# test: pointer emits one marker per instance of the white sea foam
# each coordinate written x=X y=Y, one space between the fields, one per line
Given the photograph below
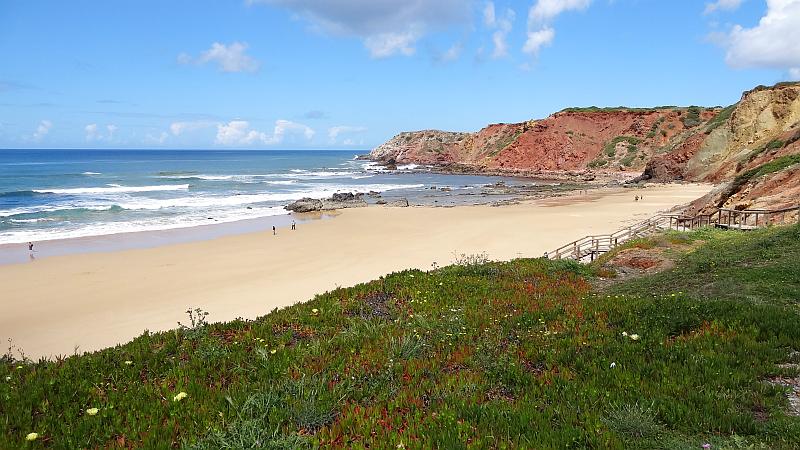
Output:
x=136 y=203
x=184 y=211
x=107 y=228
x=114 y=189
x=42 y=219
x=53 y=208
x=91 y=173
x=295 y=174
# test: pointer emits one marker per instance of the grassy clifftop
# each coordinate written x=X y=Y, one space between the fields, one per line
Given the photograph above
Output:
x=483 y=355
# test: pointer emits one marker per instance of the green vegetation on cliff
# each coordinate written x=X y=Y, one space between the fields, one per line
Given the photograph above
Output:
x=479 y=354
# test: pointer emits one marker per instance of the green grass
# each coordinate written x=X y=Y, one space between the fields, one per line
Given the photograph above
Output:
x=692 y=117
x=772 y=145
x=721 y=118
x=610 y=149
x=597 y=163
x=776 y=165
x=478 y=354
x=507 y=140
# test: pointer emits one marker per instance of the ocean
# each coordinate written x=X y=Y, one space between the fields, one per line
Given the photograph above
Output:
x=59 y=194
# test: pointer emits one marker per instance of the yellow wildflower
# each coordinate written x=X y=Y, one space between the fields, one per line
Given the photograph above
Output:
x=92 y=411
x=128 y=363
x=181 y=395
x=273 y=351
x=32 y=436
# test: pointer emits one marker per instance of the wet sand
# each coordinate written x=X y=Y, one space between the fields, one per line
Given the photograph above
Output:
x=52 y=305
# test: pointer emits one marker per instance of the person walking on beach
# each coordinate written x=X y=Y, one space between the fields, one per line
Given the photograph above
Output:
x=30 y=247
x=273 y=230
x=293 y=226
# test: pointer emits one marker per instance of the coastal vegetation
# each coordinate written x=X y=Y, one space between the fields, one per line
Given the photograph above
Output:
x=776 y=165
x=519 y=354
x=721 y=118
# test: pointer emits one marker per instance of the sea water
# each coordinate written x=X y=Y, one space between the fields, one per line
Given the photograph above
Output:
x=59 y=194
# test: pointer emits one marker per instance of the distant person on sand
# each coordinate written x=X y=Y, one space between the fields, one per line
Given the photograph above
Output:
x=273 y=230
x=637 y=198
x=293 y=226
x=30 y=247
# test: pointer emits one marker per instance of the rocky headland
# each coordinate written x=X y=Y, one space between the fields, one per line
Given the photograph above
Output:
x=750 y=148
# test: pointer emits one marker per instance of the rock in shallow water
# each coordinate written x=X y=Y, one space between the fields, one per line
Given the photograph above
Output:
x=305 y=205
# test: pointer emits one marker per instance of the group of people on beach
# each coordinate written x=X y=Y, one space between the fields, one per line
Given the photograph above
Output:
x=275 y=230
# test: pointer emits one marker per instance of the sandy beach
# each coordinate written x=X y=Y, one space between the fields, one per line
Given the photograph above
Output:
x=52 y=305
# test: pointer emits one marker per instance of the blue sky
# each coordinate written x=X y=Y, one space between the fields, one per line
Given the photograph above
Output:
x=352 y=73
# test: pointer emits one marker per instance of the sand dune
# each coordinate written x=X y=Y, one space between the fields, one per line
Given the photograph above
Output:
x=92 y=301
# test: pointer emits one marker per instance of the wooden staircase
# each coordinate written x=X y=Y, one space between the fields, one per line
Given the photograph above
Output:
x=590 y=247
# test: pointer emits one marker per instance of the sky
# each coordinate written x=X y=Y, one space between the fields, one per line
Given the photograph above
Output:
x=350 y=74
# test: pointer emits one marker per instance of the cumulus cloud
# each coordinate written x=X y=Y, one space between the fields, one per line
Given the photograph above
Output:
x=540 y=16
x=387 y=27
x=239 y=132
x=538 y=39
x=95 y=133
x=335 y=132
x=773 y=43
x=42 y=130
x=228 y=58
x=728 y=5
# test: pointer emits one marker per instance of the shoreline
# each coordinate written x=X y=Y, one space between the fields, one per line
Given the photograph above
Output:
x=97 y=300
x=508 y=191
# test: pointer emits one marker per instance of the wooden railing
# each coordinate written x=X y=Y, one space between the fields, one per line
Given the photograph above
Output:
x=589 y=247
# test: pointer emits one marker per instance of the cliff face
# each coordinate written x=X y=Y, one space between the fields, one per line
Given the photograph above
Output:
x=615 y=139
x=668 y=143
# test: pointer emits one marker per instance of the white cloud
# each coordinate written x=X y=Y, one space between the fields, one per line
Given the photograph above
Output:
x=335 y=132
x=91 y=132
x=538 y=39
x=728 y=5
x=546 y=10
x=42 y=130
x=286 y=127
x=238 y=132
x=773 y=43
x=387 y=27
x=229 y=58
x=503 y=24
x=178 y=128
x=541 y=15
x=388 y=44
x=94 y=133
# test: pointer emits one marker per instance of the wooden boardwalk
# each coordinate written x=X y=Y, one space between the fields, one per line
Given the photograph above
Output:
x=590 y=247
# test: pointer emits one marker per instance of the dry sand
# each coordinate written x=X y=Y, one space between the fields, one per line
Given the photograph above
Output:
x=92 y=301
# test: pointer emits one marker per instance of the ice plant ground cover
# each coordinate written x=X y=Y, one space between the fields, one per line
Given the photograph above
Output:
x=522 y=354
